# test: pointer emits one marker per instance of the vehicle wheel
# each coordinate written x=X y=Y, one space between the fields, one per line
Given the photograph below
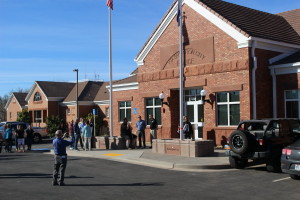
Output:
x=37 y=138
x=295 y=177
x=238 y=163
x=273 y=166
x=239 y=142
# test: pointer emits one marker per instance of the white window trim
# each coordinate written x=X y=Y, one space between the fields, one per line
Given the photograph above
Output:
x=35 y=119
x=285 y=100
x=228 y=103
x=153 y=108
x=124 y=108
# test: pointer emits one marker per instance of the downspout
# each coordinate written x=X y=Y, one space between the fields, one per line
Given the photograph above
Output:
x=273 y=74
x=254 y=79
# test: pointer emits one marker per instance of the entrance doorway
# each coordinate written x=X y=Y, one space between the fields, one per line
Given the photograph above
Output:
x=195 y=111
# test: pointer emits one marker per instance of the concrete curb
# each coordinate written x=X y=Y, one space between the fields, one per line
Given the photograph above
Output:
x=138 y=160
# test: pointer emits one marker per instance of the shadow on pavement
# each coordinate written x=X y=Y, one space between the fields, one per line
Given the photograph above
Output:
x=33 y=175
x=118 y=184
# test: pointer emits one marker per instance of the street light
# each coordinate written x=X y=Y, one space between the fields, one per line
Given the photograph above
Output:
x=203 y=95
x=77 y=110
x=162 y=96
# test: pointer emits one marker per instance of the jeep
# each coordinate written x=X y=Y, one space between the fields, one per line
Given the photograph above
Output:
x=261 y=140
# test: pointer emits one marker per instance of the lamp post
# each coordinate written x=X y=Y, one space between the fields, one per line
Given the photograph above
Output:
x=161 y=97
x=203 y=94
x=77 y=110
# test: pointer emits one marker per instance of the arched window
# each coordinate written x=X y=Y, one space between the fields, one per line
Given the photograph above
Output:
x=37 y=97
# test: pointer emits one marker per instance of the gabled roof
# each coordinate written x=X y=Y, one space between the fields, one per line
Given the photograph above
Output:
x=103 y=93
x=239 y=22
x=255 y=23
x=55 y=89
x=294 y=58
x=20 y=97
x=87 y=91
x=293 y=17
x=52 y=90
x=130 y=79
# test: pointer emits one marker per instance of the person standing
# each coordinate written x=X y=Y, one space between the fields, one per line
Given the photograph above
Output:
x=60 y=158
x=76 y=133
x=81 y=124
x=8 y=138
x=20 y=134
x=141 y=126
x=29 y=135
x=153 y=129
x=87 y=132
x=187 y=128
x=126 y=133
x=71 y=133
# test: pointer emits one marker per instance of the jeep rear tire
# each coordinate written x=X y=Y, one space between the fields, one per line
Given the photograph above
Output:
x=238 y=142
x=237 y=163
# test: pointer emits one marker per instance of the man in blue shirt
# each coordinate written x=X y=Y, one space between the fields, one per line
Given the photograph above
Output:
x=141 y=126
x=60 y=157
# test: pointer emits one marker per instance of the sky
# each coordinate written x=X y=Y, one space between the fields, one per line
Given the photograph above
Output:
x=44 y=40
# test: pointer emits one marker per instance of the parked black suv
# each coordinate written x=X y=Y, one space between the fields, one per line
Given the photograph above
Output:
x=261 y=140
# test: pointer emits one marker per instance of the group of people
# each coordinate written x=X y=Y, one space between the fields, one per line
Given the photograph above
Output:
x=79 y=131
x=84 y=129
x=22 y=137
x=126 y=132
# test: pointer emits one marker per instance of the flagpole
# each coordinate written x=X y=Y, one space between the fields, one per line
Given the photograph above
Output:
x=110 y=74
x=180 y=70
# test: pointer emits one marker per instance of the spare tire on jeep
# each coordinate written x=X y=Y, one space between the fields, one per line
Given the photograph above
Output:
x=240 y=142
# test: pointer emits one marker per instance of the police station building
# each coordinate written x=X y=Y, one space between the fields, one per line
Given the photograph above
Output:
x=246 y=60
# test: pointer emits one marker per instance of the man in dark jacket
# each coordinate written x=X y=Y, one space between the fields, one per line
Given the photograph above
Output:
x=153 y=129
x=76 y=134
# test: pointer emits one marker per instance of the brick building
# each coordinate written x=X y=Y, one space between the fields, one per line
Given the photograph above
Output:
x=245 y=59
x=15 y=104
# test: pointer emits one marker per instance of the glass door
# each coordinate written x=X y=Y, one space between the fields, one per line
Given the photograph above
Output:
x=195 y=113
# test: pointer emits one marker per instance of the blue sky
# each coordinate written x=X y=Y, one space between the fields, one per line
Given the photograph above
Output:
x=46 y=39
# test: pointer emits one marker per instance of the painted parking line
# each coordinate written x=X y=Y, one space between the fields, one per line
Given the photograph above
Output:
x=113 y=154
x=282 y=179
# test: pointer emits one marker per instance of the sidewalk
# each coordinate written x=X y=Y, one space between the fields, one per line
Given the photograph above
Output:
x=218 y=161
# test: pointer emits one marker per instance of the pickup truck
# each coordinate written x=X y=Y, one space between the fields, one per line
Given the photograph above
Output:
x=261 y=140
x=39 y=132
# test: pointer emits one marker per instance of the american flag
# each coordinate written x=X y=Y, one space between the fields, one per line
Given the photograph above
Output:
x=110 y=4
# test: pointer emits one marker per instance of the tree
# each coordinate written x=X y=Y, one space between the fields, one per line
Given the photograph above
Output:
x=98 y=120
x=3 y=101
x=52 y=123
x=24 y=116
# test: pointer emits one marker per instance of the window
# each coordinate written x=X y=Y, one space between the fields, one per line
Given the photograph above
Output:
x=228 y=108
x=37 y=97
x=68 y=111
x=153 y=107
x=192 y=95
x=37 y=116
x=125 y=110
x=107 y=111
x=292 y=104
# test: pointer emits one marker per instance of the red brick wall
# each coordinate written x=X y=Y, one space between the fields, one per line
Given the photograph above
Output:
x=264 y=100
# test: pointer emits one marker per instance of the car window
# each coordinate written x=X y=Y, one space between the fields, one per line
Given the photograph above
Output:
x=2 y=124
x=256 y=126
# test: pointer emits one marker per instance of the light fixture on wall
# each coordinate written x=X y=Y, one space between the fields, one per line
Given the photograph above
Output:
x=203 y=95
x=162 y=96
